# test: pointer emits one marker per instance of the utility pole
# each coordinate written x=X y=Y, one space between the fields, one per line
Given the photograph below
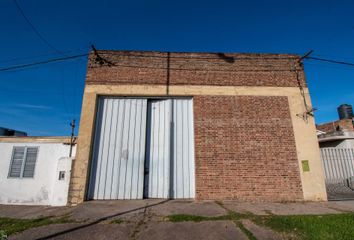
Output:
x=72 y=125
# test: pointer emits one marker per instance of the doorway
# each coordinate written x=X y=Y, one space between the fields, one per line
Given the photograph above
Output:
x=143 y=147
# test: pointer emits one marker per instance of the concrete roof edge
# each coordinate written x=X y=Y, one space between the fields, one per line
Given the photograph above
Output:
x=294 y=55
x=35 y=139
x=334 y=138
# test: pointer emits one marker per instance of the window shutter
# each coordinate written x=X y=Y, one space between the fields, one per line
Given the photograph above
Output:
x=16 y=163
x=30 y=162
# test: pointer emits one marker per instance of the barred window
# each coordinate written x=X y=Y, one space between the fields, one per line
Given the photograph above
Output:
x=23 y=162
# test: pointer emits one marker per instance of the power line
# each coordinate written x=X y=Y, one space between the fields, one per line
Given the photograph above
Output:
x=34 y=29
x=111 y=63
x=331 y=61
x=219 y=58
x=30 y=91
x=334 y=56
x=38 y=57
x=42 y=62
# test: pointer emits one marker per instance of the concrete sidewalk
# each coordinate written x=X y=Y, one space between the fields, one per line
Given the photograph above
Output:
x=146 y=219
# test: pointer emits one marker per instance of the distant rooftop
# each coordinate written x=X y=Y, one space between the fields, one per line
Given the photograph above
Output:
x=11 y=132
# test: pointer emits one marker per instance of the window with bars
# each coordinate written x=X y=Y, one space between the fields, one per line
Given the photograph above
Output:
x=23 y=162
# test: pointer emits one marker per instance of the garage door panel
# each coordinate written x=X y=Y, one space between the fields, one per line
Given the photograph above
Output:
x=184 y=179
x=117 y=149
x=139 y=143
x=186 y=149
x=101 y=149
x=178 y=149
x=112 y=137
x=191 y=154
x=158 y=155
x=171 y=156
x=95 y=153
x=128 y=152
x=120 y=123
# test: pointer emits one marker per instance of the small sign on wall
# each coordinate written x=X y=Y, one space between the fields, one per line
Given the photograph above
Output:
x=305 y=165
x=61 y=175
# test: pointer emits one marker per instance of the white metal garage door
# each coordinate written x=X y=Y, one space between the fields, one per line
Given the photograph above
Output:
x=120 y=151
x=169 y=165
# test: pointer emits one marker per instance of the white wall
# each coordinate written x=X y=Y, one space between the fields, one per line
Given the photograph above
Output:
x=39 y=189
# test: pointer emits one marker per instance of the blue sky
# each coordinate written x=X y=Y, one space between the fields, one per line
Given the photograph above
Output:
x=42 y=100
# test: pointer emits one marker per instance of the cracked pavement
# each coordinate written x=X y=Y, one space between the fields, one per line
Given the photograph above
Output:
x=146 y=219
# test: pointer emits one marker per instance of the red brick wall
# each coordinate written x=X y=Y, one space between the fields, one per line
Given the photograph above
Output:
x=133 y=67
x=245 y=149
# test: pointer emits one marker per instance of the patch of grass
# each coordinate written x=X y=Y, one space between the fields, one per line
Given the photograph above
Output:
x=194 y=218
x=232 y=216
x=245 y=231
x=235 y=215
x=12 y=225
x=117 y=221
x=306 y=227
x=314 y=227
x=3 y=235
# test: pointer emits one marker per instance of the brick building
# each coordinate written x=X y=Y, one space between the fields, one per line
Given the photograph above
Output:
x=338 y=134
x=196 y=125
x=342 y=124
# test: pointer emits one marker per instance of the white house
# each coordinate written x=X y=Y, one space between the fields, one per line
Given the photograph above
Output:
x=35 y=170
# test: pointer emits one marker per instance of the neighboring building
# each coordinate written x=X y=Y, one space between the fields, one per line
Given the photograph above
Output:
x=336 y=141
x=35 y=170
x=339 y=137
x=196 y=125
x=340 y=133
x=10 y=132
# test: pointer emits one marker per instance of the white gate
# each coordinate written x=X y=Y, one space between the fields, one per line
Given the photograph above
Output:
x=169 y=165
x=183 y=179
x=120 y=151
x=157 y=163
x=338 y=166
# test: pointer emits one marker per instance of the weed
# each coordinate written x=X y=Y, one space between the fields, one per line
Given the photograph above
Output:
x=117 y=221
x=11 y=225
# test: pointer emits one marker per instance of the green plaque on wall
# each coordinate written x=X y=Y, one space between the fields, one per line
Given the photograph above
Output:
x=305 y=165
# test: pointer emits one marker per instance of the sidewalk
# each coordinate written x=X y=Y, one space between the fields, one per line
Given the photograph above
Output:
x=148 y=219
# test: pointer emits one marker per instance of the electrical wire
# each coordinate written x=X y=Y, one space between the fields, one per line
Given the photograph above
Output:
x=308 y=111
x=331 y=56
x=30 y=92
x=35 y=30
x=329 y=66
x=46 y=42
x=219 y=58
x=17 y=67
x=20 y=60
x=330 y=61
